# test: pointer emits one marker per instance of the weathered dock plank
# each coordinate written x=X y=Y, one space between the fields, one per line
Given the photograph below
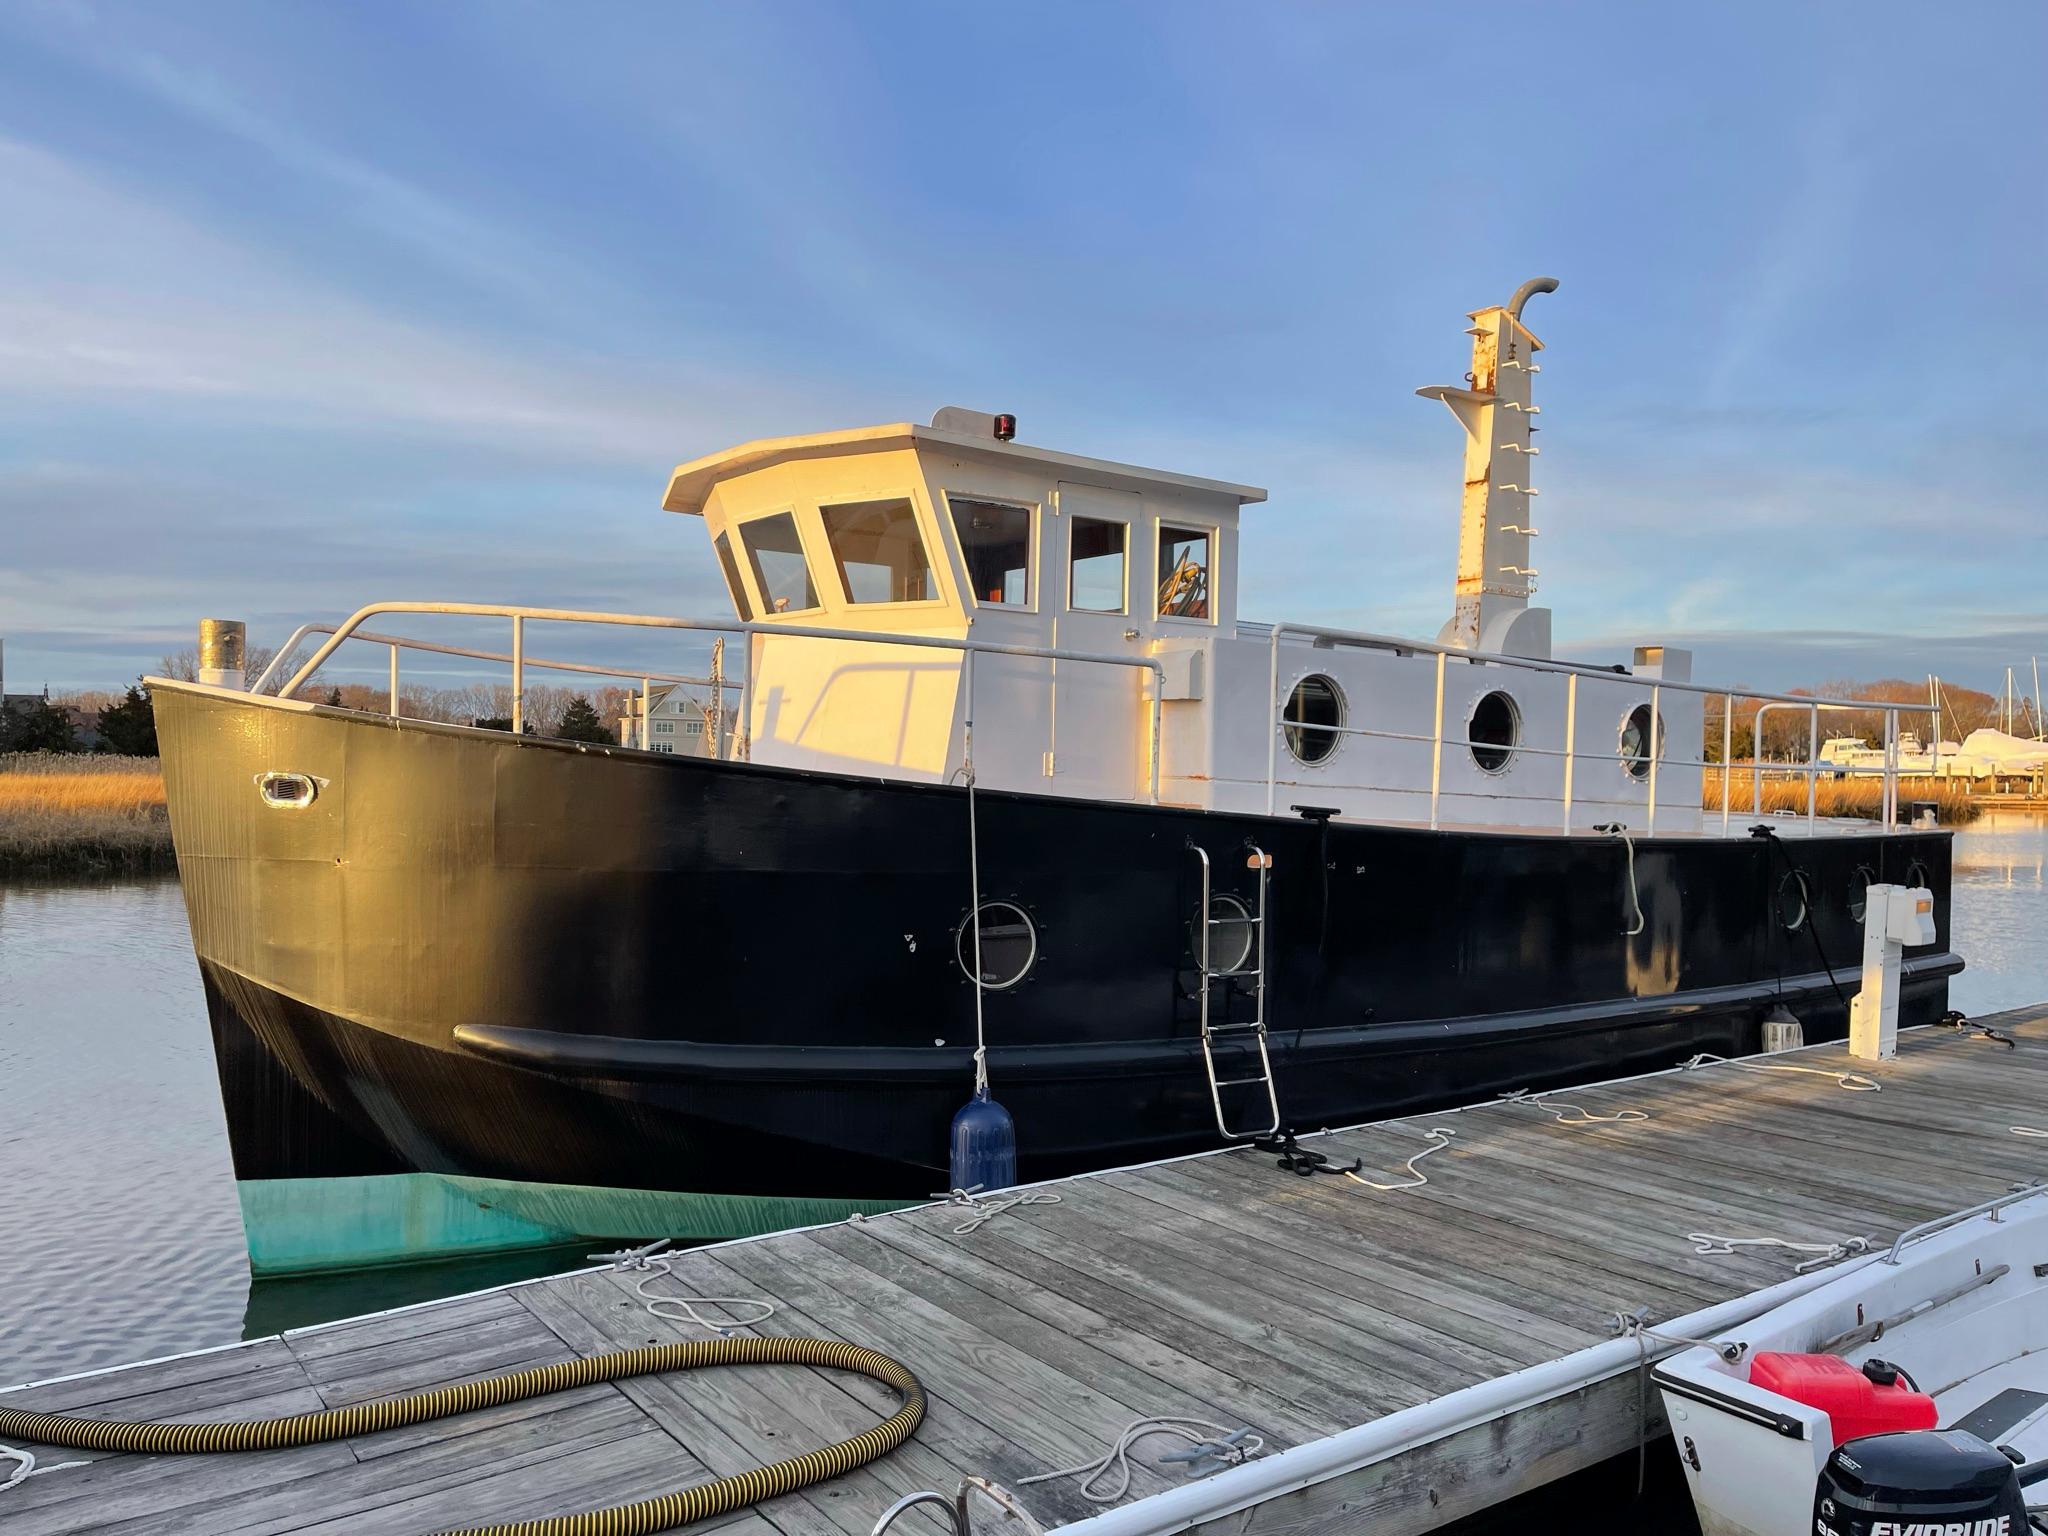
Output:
x=1218 y=1287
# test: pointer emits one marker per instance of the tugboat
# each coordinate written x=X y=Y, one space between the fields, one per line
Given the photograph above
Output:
x=1015 y=798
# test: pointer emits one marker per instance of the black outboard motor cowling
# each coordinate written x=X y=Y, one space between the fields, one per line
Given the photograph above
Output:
x=1920 y=1482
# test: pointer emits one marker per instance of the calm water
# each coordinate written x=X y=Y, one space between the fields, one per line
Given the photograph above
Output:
x=122 y=1237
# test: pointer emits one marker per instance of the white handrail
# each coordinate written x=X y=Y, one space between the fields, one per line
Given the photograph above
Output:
x=1573 y=671
x=519 y=614
x=369 y=637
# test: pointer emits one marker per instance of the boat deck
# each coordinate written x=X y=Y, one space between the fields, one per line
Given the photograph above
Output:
x=1216 y=1286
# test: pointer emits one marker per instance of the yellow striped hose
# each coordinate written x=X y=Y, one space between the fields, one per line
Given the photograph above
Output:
x=656 y=1514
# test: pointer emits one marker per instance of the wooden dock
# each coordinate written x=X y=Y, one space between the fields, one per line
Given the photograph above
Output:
x=1217 y=1287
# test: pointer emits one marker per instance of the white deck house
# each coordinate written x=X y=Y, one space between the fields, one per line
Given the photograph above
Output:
x=954 y=531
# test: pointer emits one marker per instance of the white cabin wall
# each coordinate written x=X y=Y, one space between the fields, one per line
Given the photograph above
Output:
x=840 y=705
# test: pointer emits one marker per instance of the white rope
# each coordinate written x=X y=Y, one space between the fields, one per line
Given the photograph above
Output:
x=1228 y=1446
x=974 y=879
x=1569 y=1113
x=987 y=1208
x=1854 y=1082
x=683 y=1309
x=1635 y=1325
x=1634 y=900
x=1439 y=1138
x=27 y=1467
x=1711 y=1245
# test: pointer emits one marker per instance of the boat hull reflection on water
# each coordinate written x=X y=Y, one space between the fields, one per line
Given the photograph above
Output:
x=482 y=990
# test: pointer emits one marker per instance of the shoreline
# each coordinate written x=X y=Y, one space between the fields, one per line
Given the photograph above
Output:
x=83 y=815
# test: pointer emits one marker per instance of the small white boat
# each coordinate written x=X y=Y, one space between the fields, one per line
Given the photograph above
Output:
x=1934 y=1348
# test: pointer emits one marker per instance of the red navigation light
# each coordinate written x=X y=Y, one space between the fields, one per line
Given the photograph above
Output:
x=1006 y=428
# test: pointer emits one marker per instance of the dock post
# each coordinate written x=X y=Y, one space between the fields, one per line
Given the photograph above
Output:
x=223 y=644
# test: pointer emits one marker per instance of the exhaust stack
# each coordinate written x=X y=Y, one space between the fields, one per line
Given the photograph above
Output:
x=1495 y=575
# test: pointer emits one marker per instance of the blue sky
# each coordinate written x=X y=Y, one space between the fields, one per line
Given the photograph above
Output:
x=303 y=305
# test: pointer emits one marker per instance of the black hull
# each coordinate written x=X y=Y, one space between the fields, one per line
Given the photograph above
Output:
x=528 y=961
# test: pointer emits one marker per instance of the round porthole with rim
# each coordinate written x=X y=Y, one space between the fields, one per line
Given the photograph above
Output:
x=1231 y=932
x=1861 y=879
x=1494 y=731
x=1793 y=894
x=1916 y=874
x=1313 y=719
x=1639 y=742
x=1009 y=944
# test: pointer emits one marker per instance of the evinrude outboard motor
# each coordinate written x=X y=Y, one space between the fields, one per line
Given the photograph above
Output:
x=1920 y=1482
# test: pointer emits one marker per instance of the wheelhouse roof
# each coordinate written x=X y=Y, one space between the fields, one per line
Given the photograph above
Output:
x=692 y=483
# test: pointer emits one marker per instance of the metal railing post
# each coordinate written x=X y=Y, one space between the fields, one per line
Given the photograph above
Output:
x=1727 y=753
x=1571 y=727
x=1812 y=764
x=1436 y=760
x=646 y=713
x=518 y=674
x=1274 y=726
x=1656 y=751
x=394 y=681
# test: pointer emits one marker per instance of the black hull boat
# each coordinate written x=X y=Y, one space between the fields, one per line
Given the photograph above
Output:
x=603 y=993
x=472 y=989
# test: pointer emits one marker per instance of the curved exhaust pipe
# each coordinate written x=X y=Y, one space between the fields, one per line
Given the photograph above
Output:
x=1523 y=294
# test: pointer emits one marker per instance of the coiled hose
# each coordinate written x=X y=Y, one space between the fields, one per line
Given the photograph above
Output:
x=657 y=1514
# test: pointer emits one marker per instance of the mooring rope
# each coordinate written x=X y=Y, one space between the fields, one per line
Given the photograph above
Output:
x=26 y=1467
x=1854 y=1082
x=987 y=1208
x=1568 y=1112
x=683 y=1309
x=1220 y=1447
x=1711 y=1245
x=661 y=1513
x=1439 y=1138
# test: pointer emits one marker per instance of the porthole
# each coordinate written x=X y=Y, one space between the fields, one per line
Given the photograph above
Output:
x=1861 y=879
x=1916 y=875
x=1637 y=750
x=1314 y=718
x=1009 y=945
x=1231 y=933
x=287 y=791
x=1494 y=731
x=1793 y=894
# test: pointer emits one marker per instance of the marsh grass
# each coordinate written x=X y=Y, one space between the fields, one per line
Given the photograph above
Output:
x=1861 y=796
x=69 y=813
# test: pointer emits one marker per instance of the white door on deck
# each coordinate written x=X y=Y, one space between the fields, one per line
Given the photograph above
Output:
x=1095 y=568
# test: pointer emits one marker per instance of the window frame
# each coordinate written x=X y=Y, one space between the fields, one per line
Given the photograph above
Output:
x=1034 y=574
x=769 y=612
x=1123 y=611
x=1214 y=531
x=735 y=580
x=925 y=530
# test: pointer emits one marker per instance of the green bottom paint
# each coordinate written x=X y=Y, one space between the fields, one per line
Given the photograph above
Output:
x=299 y=1225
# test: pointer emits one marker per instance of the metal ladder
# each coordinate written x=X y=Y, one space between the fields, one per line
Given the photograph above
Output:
x=1252 y=1030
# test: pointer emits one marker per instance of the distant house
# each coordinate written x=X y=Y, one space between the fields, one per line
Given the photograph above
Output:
x=85 y=726
x=677 y=721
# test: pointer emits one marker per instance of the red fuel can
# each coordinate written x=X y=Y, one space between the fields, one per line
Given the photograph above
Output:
x=1871 y=1400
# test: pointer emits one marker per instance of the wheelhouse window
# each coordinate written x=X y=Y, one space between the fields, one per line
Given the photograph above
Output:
x=1095 y=565
x=879 y=552
x=726 y=563
x=1183 y=572
x=777 y=556
x=995 y=541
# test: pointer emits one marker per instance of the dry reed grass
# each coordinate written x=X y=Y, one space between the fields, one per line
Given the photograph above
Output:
x=66 y=813
x=1861 y=796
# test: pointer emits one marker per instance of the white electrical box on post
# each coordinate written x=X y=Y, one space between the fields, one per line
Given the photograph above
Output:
x=1894 y=916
